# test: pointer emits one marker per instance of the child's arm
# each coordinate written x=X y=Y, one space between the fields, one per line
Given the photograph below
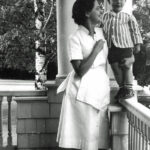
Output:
x=135 y=33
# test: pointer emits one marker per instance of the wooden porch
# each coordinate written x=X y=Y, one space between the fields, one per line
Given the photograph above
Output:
x=38 y=115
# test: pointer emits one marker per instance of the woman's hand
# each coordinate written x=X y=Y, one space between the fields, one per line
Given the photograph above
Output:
x=82 y=66
x=127 y=62
x=99 y=46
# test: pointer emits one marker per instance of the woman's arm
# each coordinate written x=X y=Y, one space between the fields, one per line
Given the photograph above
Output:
x=82 y=66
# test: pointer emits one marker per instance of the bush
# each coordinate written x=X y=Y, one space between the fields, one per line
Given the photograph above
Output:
x=141 y=69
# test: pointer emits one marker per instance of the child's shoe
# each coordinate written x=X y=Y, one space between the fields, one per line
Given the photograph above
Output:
x=126 y=93
x=120 y=92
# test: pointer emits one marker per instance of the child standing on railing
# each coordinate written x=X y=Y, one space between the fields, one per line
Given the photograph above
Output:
x=123 y=38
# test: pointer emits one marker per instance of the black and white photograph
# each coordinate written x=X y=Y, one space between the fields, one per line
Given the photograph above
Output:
x=74 y=74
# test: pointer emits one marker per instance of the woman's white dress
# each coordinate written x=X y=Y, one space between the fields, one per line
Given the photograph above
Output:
x=84 y=120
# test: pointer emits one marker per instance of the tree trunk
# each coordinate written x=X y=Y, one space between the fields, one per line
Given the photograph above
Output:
x=40 y=45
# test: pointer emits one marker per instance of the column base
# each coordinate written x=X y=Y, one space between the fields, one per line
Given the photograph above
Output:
x=60 y=78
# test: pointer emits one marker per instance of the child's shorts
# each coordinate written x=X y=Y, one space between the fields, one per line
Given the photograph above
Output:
x=117 y=54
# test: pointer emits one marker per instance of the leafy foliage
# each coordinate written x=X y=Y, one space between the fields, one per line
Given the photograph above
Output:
x=141 y=68
x=18 y=34
x=142 y=14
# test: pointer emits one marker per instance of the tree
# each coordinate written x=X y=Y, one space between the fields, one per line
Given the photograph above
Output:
x=18 y=34
x=40 y=44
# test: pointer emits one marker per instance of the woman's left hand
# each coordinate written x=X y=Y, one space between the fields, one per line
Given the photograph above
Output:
x=127 y=62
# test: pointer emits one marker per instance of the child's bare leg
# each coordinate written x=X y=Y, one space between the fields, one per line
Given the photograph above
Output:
x=117 y=73
x=127 y=76
x=126 y=67
x=128 y=81
x=119 y=78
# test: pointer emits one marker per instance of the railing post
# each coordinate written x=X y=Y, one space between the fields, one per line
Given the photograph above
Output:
x=1 y=137
x=148 y=138
x=119 y=128
x=9 y=139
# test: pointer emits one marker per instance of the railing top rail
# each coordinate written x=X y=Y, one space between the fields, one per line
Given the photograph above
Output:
x=23 y=93
x=32 y=99
x=136 y=108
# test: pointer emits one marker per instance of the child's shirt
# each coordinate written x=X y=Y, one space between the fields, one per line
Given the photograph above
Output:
x=121 y=29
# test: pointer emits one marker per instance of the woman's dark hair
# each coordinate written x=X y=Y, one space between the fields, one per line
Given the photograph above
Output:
x=80 y=8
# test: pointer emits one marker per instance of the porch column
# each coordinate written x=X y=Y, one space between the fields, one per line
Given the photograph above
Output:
x=65 y=26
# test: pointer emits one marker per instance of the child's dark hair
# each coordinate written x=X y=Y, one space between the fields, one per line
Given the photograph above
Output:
x=108 y=1
x=80 y=8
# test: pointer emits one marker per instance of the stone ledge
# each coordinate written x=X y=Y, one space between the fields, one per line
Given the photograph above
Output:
x=112 y=108
x=9 y=148
x=53 y=97
x=50 y=84
x=42 y=148
x=23 y=93
x=30 y=99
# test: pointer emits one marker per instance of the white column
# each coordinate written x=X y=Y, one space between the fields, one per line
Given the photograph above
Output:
x=65 y=26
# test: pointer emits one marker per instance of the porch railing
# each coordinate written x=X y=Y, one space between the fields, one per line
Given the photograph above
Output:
x=138 y=118
x=139 y=124
x=8 y=96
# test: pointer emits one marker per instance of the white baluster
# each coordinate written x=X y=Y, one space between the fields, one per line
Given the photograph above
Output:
x=9 y=99
x=142 y=127
x=132 y=132
x=146 y=135
x=1 y=137
x=140 y=136
x=136 y=132
x=129 y=135
x=148 y=138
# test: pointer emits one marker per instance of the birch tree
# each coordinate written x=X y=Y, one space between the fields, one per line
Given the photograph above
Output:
x=41 y=23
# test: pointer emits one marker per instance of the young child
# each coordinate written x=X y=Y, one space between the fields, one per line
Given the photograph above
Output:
x=124 y=39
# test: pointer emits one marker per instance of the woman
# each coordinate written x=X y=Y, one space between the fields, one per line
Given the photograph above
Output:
x=83 y=121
